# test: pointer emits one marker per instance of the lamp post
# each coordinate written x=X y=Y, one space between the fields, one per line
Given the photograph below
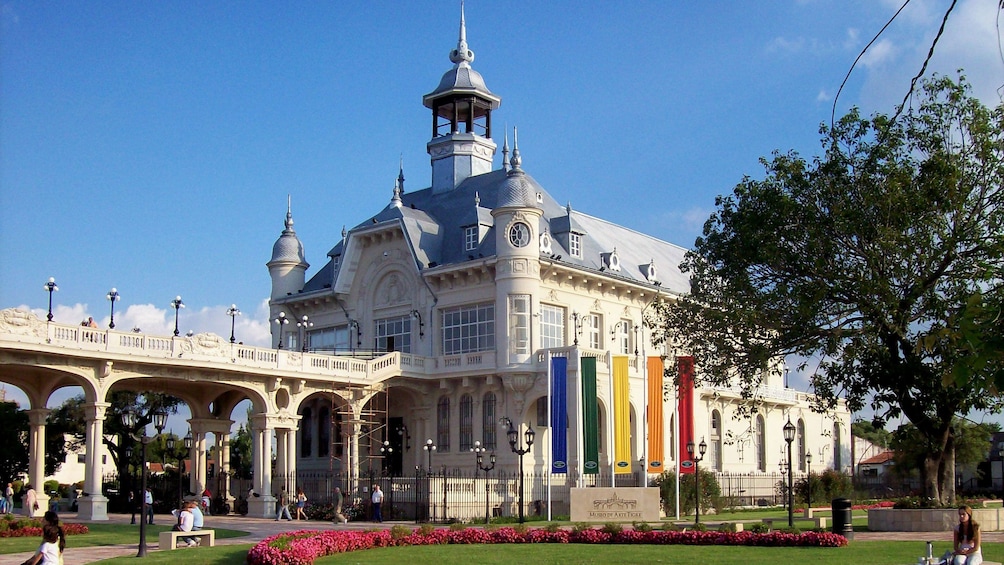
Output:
x=385 y=452
x=789 y=436
x=429 y=448
x=281 y=321
x=303 y=324
x=402 y=432
x=514 y=440
x=233 y=312
x=697 y=458
x=113 y=297
x=132 y=483
x=178 y=305
x=577 y=320
x=421 y=325
x=51 y=287
x=129 y=421
x=808 y=479
x=479 y=459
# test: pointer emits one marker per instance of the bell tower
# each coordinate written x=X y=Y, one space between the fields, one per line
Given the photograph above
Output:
x=462 y=106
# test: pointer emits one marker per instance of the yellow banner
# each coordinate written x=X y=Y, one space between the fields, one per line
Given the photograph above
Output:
x=622 y=417
x=655 y=423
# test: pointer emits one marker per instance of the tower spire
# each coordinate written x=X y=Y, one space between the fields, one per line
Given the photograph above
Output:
x=289 y=214
x=505 y=151
x=400 y=174
x=462 y=54
x=516 y=160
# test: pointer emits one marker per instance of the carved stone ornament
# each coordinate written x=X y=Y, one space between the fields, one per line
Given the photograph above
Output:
x=21 y=322
x=206 y=344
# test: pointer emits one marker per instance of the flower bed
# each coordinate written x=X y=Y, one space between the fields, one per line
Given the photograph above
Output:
x=304 y=546
x=26 y=528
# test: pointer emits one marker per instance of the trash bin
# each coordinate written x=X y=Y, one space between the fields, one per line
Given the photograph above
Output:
x=842 y=525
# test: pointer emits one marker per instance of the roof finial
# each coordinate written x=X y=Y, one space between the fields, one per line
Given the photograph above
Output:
x=396 y=199
x=568 y=207
x=289 y=213
x=344 y=232
x=516 y=160
x=462 y=55
x=477 y=198
x=505 y=151
x=400 y=174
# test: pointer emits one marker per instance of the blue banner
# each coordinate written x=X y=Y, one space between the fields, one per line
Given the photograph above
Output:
x=559 y=415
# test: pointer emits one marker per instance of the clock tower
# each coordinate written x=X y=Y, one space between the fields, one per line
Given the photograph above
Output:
x=517 y=269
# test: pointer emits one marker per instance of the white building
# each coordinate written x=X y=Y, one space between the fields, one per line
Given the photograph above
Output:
x=481 y=276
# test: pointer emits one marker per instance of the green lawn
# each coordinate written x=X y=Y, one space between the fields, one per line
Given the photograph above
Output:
x=103 y=534
x=219 y=555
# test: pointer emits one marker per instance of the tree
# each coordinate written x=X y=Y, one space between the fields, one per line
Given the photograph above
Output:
x=13 y=446
x=869 y=260
x=971 y=442
x=240 y=452
x=877 y=435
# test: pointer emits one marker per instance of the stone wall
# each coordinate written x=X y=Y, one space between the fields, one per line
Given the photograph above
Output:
x=930 y=520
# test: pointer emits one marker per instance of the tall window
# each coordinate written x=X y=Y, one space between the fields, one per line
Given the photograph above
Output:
x=622 y=332
x=393 y=334
x=470 y=238
x=836 y=446
x=466 y=422
x=800 y=436
x=575 y=245
x=552 y=326
x=519 y=324
x=542 y=421
x=760 y=441
x=488 y=424
x=323 y=432
x=468 y=328
x=716 y=440
x=306 y=424
x=443 y=424
x=595 y=330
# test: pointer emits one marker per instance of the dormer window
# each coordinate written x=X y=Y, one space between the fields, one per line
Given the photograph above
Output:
x=575 y=245
x=471 y=239
x=614 y=261
x=650 y=272
x=545 y=243
x=335 y=262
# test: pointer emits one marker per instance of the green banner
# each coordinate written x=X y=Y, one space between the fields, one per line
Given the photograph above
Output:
x=590 y=417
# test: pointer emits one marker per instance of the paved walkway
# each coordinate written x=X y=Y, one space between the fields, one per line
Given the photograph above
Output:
x=261 y=528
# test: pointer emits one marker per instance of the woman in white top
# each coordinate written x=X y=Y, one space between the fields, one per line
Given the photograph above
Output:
x=967 y=539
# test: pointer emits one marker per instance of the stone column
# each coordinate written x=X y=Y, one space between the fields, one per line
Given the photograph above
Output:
x=262 y=506
x=290 y=458
x=281 y=445
x=223 y=443
x=94 y=505
x=36 y=457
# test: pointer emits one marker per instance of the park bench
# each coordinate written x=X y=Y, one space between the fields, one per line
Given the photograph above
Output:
x=169 y=539
x=820 y=521
x=808 y=512
x=987 y=503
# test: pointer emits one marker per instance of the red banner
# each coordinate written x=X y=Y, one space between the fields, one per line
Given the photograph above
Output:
x=685 y=411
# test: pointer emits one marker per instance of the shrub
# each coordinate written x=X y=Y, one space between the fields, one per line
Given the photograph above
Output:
x=699 y=527
x=426 y=529
x=552 y=527
x=611 y=528
x=457 y=527
x=399 y=531
x=826 y=486
x=710 y=491
x=914 y=502
x=670 y=527
x=758 y=528
x=641 y=526
x=580 y=527
x=727 y=527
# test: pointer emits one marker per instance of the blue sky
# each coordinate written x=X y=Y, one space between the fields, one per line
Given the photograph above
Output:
x=151 y=146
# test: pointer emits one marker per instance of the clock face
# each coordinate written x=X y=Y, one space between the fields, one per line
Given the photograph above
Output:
x=519 y=235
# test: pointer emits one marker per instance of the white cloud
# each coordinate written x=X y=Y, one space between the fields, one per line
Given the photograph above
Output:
x=823 y=96
x=879 y=54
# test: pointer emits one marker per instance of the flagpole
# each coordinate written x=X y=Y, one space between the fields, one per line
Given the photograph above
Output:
x=581 y=413
x=676 y=431
x=550 y=425
x=647 y=415
x=611 y=440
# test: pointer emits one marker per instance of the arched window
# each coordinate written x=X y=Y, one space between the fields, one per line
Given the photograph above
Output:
x=443 y=424
x=760 y=439
x=466 y=422
x=836 y=446
x=323 y=432
x=306 y=425
x=488 y=425
x=715 y=459
x=800 y=436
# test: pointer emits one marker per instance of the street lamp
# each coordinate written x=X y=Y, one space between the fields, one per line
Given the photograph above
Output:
x=281 y=321
x=789 y=436
x=303 y=324
x=233 y=312
x=50 y=286
x=385 y=453
x=421 y=325
x=697 y=458
x=429 y=448
x=113 y=297
x=520 y=451
x=577 y=322
x=479 y=458
x=129 y=421
x=808 y=478
x=178 y=305
x=132 y=483
x=402 y=432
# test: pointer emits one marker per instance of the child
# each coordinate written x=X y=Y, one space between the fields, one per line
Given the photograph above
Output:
x=48 y=552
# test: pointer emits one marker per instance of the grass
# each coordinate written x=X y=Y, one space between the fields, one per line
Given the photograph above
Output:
x=219 y=555
x=103 y=534
x=873 y=553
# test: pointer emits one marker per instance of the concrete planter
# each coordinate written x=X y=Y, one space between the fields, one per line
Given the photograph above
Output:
x=930 y=520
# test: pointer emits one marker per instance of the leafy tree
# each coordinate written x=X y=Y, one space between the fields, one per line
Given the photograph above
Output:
x=240 y=452
x=971 y=441
x=711 y=491
x=877 y=435
x=13 y=443
x=882 y=260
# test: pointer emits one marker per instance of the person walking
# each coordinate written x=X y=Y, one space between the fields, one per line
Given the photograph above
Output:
x=8 y=496
x=377 y=500
x=337 y=501
x=29 y=501
x=283 y=506
x=301 y=503
x=148 y=498
x=132 y=507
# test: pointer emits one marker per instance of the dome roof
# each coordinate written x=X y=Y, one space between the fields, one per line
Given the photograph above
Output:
x=462 y=79
x=517 y=191
x=288 y=248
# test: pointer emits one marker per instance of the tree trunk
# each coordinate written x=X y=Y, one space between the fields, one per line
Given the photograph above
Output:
x=929 y=476
x=946 y=473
